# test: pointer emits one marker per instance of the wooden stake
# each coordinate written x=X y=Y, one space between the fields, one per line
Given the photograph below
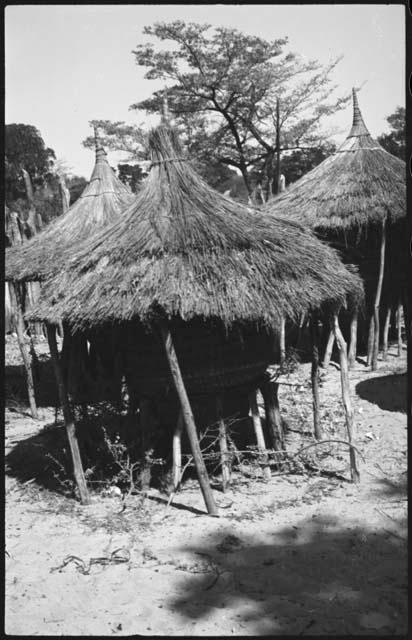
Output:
x=260 y=439
x=20 y=330
x=315 y=377
x=375 y=351
x=371 y=339
x=385 y=334
x=225 y=465
x=188 y=419
x=273 y=418
x=329 y=349
x=177 y=452
x=282 y=341
x=399 y=327
x=68 y=417
x=353 y=347
x=344 y=377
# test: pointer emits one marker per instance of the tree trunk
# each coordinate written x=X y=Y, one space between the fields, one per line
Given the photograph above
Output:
x=315 y=377
x=347 y=403
x=17 y=302
x=375 y=351
x=177 y=452
x=273 y=418
x=399 y=327
x=353 y=340
x=68 y=417
x=329 y=349
x=65 y=193
x=188 y=419
x=386 y=333
x=260 y=439
x=282 y=340
x=371 y=339
x=277 y=172
x=225 y=463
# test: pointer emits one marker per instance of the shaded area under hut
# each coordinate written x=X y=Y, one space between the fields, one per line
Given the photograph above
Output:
x=356 y=201
x=101 y=202
x=188 y=289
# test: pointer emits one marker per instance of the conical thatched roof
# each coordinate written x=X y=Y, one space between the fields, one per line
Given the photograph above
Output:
x=183 y=250
x=104 y=198
x=359 y=184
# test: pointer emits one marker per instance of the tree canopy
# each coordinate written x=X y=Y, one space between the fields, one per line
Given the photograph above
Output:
x=395 y=140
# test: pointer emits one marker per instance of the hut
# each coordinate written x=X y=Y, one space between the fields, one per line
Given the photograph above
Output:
x=101 y=202
x=192 y=286
x=356 y=200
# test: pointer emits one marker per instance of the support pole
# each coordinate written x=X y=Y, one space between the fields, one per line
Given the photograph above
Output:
x=225 y=465
x=371 y=339
x=260 y=439
x=282 y=341
x=188 y=419
x=273 y=418
x=329 y=349
x=399 y=327
x=20 y=330
x=344 y=377
x=68 y=417
x=147 y=426
x=315 y=376
x=375 y=351
x=353 y=346
x=386 y=333
x=177 y=452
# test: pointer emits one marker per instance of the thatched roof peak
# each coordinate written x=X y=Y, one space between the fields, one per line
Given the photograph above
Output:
x=182 y=250
x=101 y=154
x=358 y=124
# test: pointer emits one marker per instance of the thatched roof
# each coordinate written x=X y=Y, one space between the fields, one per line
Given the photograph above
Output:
x=103 y=199
x=356 y=186
x=183 y=250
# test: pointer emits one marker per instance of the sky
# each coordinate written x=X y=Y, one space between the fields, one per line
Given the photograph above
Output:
x=68 y=64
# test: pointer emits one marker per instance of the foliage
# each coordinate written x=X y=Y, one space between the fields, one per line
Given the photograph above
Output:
x=131 y=175
x=395 y=141
x=226 y=86
x=76 y=185
x=299 y=162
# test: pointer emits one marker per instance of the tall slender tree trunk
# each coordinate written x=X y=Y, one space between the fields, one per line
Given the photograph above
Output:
x=399 y=327
x=329 y=349
x=353 y=340
x=315 y=377
x=282 y=341
x=188 y=418
x=386 y=333
x=375 y=351
x=277 y=171
x=347 y=403
x=224 y=454
x=371 y=340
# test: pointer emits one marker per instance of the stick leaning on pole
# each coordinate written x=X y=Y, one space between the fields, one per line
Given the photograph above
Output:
x=188 y=418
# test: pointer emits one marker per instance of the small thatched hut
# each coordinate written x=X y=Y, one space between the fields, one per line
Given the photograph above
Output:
x=189 y=274
x=356 y=200
x=103 y=199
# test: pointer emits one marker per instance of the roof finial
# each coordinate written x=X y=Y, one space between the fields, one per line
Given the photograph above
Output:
x=100 y=152
x=358 y=125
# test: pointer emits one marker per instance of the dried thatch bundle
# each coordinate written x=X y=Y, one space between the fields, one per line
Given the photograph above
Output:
x=100 y=203
x=358 y=185
x=183 y=250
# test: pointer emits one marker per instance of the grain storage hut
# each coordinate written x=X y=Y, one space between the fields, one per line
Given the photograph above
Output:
x=356 y=200
x=193 y=285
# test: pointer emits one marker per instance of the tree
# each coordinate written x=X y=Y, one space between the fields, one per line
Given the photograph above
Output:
x=299 y=162
x=76 y=185
x=244 y=99
x=395 y=141
x=132 y=175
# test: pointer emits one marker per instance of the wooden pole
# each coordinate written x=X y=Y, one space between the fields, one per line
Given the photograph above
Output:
x=386 y=333
x=273 y=418
x=344 y=377
x=177 y=452
x=20 y=330
x=225 y=465
x=260 y=439
x=68 y=417
x=371 y=339
x=329 y=349
x=399 y=327
x=353 y=346
x=188 y=419
x=282 y=341
x=315 y=377
x=147 y=426
x=375 y=351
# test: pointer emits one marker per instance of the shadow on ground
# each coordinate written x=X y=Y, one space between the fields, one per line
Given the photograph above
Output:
x=388 y=392
x=320 y=577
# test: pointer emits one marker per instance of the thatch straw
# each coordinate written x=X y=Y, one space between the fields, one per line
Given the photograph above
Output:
x=183 y=250
x=360 y=184
x=100 y=203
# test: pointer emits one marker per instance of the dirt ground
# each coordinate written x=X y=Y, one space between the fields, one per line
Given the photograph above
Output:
x=307 y=553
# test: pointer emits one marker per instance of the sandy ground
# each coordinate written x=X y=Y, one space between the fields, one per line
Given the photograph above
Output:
x=304 y=554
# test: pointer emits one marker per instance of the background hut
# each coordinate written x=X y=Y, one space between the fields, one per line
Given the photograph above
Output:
x=103 y=199
x=191 y=286
x=356 y=200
